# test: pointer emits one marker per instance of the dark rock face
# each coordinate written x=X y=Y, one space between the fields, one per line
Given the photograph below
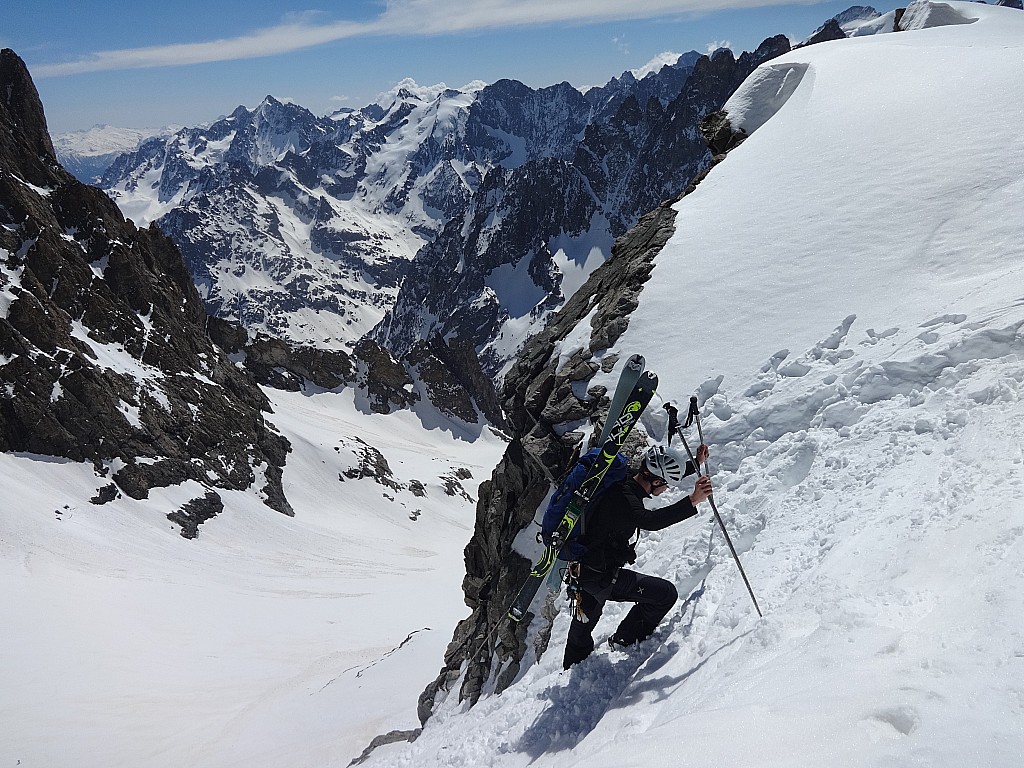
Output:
x=387 y=381
x=831 y=31
x=537 y=399
x=104 y=356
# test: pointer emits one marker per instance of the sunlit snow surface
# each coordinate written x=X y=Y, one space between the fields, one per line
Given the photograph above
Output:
x=853 y=273
x=266 y=641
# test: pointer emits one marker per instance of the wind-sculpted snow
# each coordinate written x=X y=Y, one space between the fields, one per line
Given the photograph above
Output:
x=924 y=15
x=763 y=94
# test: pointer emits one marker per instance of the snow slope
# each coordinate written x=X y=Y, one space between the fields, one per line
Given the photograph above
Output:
x=844 y=295
x=267 y=641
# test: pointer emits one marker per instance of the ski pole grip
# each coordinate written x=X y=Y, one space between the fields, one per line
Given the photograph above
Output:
x=692 y=413
x=695 y=416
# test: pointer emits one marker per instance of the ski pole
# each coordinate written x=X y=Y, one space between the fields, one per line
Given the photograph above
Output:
x=694 y=415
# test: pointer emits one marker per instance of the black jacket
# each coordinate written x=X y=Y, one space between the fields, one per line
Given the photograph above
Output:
x=614 y=519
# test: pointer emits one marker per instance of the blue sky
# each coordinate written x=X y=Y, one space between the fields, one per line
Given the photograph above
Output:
x=149 y=64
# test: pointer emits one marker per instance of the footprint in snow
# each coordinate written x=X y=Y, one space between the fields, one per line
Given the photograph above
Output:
x=892 y=722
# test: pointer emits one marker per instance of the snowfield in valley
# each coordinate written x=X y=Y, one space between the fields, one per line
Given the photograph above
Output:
x=268 y=640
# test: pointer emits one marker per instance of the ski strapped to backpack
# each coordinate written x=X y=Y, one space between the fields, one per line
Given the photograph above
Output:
x=631 y=373
x=634 y=403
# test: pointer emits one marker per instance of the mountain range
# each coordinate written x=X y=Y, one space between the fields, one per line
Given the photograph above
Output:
x=324 y=231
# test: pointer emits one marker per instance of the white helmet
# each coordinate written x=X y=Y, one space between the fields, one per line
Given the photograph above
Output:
x=664 y=463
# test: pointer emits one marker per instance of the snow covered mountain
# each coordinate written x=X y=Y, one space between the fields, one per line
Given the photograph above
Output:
x=319 y=230
x=856 y=340
x=164 y=516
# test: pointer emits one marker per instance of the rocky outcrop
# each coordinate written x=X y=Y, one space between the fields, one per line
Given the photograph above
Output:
x=447 y=374
x=720 y=135
x=543 y=403
x=276 y=363
x=104 y=355
x=196 y=512
x=539 y=398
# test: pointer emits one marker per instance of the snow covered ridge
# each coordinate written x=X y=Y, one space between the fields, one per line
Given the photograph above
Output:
x=768 y=89
x=857 y=340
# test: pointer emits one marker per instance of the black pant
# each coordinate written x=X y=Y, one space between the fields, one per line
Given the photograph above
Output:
x=653 y=598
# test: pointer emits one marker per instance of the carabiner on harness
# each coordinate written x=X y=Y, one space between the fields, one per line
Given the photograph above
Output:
x=571 y=577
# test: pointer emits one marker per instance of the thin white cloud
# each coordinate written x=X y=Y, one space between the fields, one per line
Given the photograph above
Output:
x=265 y=42
x=400 y=17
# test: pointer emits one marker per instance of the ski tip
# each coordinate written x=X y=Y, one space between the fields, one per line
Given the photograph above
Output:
x=636 y=362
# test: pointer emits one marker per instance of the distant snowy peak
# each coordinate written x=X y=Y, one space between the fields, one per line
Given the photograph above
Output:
x=856 y=13
x=301 y=226
x=88 y=154
x=855 y=21
x=666 y=59
x=409 y=89
x=102 y=140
